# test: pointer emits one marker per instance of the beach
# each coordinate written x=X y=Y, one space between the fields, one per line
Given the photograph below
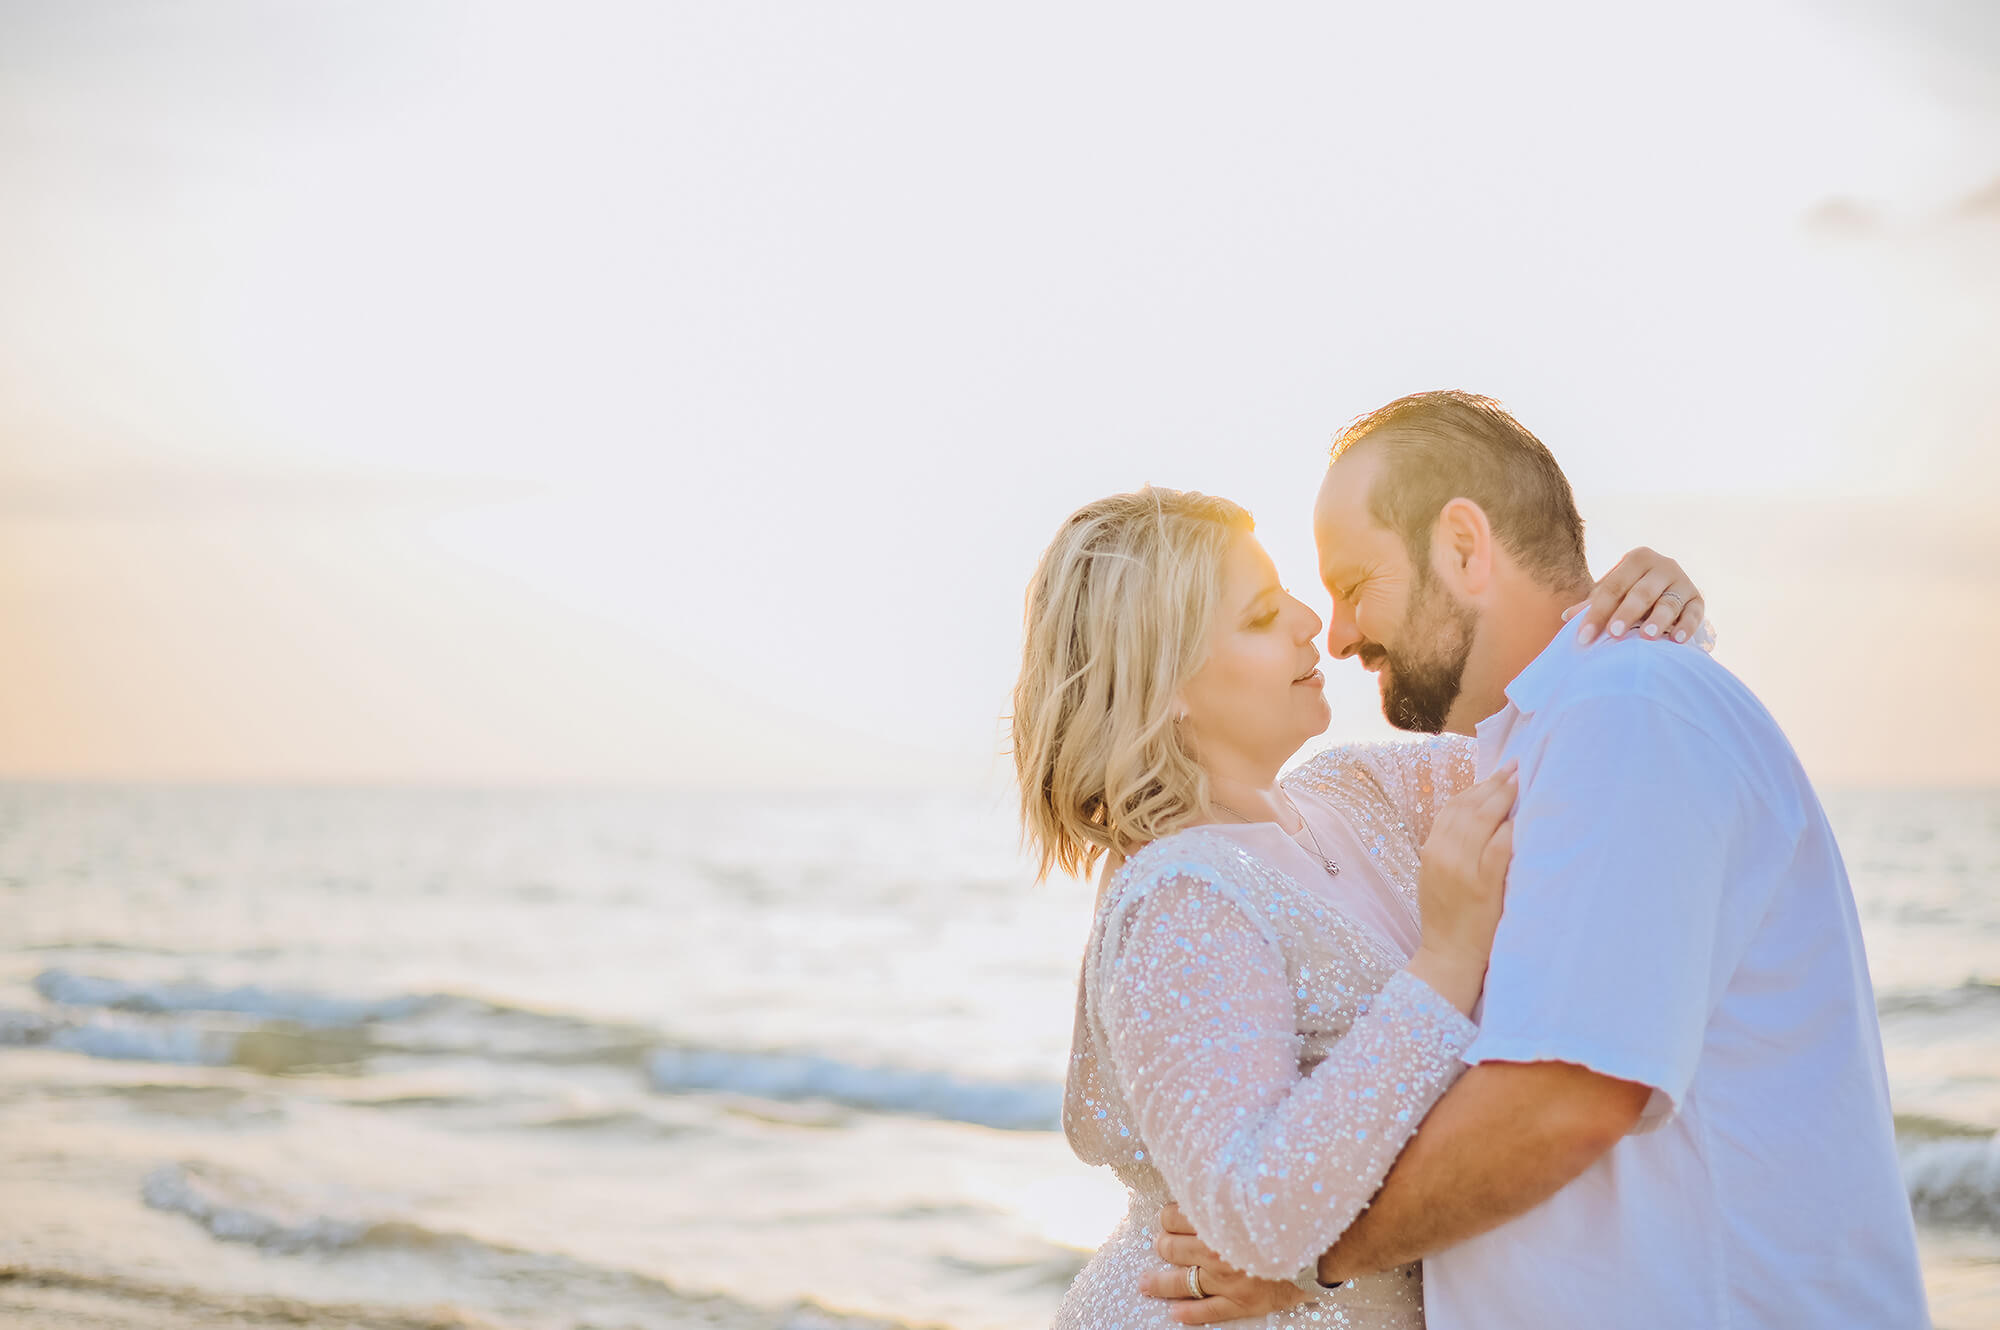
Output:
x=409 y=1058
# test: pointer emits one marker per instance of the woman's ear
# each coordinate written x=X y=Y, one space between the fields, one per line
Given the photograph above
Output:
x=1463 y=543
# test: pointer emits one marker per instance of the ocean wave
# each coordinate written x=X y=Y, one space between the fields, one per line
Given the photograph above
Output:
x=236 y=1207
x=1954 y=1180
x=22 y=1029
x=282 y=1030
x=122 y=1040
x=309 y=1009
x=182 y=1041
x=1913 y=1128
x=611 y=1122
x=474 y=1026
x=1972 y=994
x=111 y=1302
x=423 y=1024
x=103 y=945
x=188 y=1046
x=1009 y=1106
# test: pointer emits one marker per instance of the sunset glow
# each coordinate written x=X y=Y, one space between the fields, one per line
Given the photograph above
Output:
x=699 y=417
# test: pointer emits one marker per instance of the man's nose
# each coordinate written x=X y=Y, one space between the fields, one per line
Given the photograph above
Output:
x=1343 y=636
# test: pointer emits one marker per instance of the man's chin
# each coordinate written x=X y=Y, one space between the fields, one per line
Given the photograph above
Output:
x=1403 y=720
x=1402 y=713
x=1393 y=709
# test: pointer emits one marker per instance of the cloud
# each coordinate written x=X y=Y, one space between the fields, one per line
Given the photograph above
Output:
x=1981 y=204
x=1842 y=218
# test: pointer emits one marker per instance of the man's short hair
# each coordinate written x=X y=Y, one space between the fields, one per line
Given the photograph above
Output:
x=1445 y=445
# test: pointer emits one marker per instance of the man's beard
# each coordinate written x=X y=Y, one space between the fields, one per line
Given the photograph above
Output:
x=1427 y=672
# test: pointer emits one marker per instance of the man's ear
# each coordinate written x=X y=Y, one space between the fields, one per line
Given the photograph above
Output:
x=1462 y=547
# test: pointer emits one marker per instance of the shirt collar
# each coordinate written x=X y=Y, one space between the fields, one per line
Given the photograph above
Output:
x=1531 y=689
x=1536 y=684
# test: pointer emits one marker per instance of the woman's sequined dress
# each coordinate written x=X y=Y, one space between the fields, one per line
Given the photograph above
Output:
x=1246 y=1041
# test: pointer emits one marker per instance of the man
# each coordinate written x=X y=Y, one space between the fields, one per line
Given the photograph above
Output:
x=1676 y=1113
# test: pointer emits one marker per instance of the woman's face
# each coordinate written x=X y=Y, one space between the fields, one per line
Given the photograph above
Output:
x=1260 y=694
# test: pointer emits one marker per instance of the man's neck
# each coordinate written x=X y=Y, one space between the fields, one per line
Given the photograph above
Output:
x=1508 y=642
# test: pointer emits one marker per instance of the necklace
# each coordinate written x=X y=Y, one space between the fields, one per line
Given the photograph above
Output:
x=1332 y=868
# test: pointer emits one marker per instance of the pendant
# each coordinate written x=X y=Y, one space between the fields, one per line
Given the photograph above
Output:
x=1332 y=868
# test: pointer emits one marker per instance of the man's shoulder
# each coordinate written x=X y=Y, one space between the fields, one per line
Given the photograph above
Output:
x=1671 y=678
x=1640 y=688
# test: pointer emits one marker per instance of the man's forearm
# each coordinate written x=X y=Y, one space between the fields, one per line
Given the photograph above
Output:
x=1504 y=1139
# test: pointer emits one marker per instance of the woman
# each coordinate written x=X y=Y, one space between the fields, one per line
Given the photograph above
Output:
x=1261 y=1020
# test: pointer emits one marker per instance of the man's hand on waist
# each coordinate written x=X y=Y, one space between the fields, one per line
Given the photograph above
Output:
x=1227 y=1293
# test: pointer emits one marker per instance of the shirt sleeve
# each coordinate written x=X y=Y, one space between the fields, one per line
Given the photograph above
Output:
x=1271 y=1166
x=1606 y=953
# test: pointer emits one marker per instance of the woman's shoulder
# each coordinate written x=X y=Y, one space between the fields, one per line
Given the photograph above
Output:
x=1196 y=852
x=1201 y=869
x=1203 y=861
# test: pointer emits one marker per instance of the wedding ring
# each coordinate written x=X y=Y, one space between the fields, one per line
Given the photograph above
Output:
x=1194 y=1282
x=1676 y=597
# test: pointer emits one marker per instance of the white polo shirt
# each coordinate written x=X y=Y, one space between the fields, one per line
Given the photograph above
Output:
x=1678 y=915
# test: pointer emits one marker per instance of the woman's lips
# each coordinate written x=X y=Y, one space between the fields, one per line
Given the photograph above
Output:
x=1313 y=680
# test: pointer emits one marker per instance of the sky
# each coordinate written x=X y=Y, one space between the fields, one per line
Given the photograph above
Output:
x=681 y=395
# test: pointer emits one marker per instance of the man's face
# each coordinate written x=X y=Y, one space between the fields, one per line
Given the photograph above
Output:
x=1395 y=615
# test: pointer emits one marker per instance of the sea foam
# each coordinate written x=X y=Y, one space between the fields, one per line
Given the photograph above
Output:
x=236 y=1208
x=1955 y=1181
x=1010 y=1106
x=312 y=1009
x=117 y=1038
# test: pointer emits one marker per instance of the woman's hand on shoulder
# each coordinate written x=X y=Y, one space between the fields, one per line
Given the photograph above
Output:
x=1462 y=885
x=1648 y=593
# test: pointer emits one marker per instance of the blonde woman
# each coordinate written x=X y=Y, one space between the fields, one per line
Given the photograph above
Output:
x=1262 y=1019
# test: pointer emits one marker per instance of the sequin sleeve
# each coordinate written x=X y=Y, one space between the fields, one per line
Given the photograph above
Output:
x=1199 y=1017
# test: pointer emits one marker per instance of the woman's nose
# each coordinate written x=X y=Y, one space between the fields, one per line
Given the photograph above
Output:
x=1311 y=625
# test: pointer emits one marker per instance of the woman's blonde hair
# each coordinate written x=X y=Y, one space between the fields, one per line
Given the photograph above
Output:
x=1118 y=617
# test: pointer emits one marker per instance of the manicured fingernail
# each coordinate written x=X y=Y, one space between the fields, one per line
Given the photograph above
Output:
x=1652 y=630
x=1681 y=636
x=1617 y=628
x=1585 y=634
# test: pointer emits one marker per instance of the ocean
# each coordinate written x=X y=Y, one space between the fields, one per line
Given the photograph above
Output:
x=399 y=1058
